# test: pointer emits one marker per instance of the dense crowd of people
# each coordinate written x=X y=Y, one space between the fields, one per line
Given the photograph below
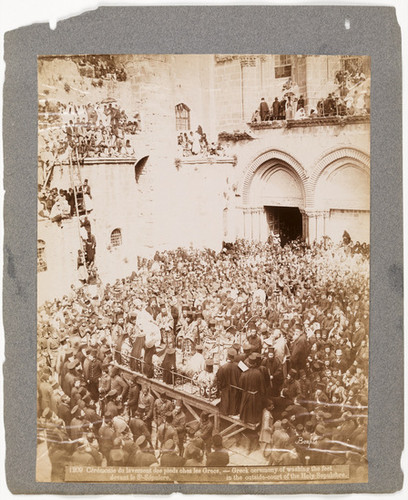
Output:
x=101 y=67
x=274 y=337
x=352 y=97
x=196 y=144
x=91 y=130
x=57 y=205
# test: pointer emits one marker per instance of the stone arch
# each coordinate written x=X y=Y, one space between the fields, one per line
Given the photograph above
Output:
x=333 y=161
x=274 y=158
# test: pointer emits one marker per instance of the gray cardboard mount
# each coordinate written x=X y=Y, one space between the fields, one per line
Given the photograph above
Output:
x=373 y=31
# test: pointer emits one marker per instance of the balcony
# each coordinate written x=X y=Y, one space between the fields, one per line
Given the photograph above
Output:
x=194 y=161
x=318 y=121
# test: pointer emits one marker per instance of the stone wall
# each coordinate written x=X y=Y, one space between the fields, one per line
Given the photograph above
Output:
x=313 y=156
x=202 y=201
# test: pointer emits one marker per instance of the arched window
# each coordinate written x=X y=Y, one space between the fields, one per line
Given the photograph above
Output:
x=182 y=117
x=41 y=262
x=116 y=237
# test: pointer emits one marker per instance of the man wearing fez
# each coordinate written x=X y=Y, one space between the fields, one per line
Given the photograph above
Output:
x=89 y=415
x=147 y=400
x=64 y=410
x=252 y=384
x=166 y=431
x=78 y=424
x=161 y=407
x=227 y=380
x=169 y=457
x=137 y=425
x=111 y=406
x=143 y=455
x=211 y=326
x=78 y=392
x=104 y=383
x=291 y=385
x=119 y=383
x=69 y=358
x=70 y=377
x=103 y=350
x=205 y=430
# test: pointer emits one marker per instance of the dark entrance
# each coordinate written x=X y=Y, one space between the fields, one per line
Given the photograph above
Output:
x=285 y=221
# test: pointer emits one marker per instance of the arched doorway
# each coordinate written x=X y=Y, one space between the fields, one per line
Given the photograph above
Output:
x=274 y=198
x=340 y=195
x=343 y=192
x=285 y=222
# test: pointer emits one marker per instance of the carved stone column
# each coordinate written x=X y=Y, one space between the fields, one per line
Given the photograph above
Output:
x=247 y=222
x=305 y=226
x=316 y=222
x=248 y=85
x=264 y=228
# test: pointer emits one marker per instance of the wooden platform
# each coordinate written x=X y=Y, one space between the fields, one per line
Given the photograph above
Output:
x=194 y=403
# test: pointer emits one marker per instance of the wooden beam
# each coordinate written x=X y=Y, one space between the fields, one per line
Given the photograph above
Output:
x=155 y=392
x=192 y=411
x=192 y=400
x=230 y=427
x=237 y=431
x=216 y=423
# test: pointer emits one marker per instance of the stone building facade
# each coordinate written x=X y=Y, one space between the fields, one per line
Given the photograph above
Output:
x=311 y=176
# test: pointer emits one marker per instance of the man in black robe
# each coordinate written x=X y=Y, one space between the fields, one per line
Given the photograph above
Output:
x=263 y=110
x=227 y=380
x=252 y=384
x=275 y=109
x=275 y=372
x=90 y=248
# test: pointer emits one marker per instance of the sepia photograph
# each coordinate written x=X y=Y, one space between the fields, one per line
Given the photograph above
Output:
x=203 y=268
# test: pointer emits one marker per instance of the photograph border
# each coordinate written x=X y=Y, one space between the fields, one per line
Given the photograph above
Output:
x=134 y=30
